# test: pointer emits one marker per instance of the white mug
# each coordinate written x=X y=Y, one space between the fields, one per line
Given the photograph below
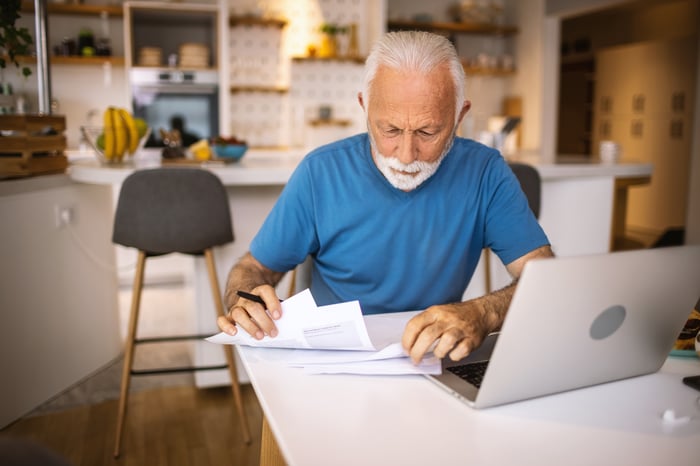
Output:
x=610 y=151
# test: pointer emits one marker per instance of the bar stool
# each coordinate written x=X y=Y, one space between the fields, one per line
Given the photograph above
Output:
x=172 y=210
x=531 y=184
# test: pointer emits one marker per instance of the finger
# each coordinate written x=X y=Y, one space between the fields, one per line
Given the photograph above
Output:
x=413 y=328
x=465 y=347
x=461 y=350
x=268 y=294
x=261 y=317
x=426 y=339
x=226 y=325
x=241 y=316
x=448 y=340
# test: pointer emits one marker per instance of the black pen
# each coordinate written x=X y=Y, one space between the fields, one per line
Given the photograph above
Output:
x=251 y=297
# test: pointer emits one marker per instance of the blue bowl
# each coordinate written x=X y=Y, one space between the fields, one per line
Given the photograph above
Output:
x=230 y=151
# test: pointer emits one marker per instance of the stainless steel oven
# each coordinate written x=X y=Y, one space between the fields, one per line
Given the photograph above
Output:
x=161 y=95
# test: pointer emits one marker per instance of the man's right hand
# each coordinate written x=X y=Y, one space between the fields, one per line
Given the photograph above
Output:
x=253 y=317
x=251 y=276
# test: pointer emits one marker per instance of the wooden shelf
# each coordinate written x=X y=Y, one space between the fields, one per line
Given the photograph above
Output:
x=464 y=28
x=256 y=21
x=330 y=122
x=360 y=60
x=176 y=68
x=76 y=9
x=267 y=89
x=77 y=60
x=481 y=71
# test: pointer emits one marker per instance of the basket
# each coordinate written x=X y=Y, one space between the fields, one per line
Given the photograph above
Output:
x=32 y=145
x=92 y=135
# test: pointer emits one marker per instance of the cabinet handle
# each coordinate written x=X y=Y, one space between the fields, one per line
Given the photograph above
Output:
x=677 y=129
x=638 y=103
x=678 y=102
x=637 y=128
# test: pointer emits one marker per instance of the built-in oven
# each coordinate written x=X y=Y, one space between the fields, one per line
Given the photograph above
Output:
x=187 y=100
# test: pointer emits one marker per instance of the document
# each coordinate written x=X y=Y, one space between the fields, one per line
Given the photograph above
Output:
x=305 y=325
x=338 y=339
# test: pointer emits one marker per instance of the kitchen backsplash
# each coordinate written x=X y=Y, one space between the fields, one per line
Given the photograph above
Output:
x=262 y=56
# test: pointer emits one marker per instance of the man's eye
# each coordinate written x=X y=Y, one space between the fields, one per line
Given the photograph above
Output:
x=424 y=133
x=392 y=131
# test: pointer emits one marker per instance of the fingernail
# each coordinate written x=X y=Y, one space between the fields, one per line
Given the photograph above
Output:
x=276 y=314
x=259 y=335
x=231 y=331
x=273 y=333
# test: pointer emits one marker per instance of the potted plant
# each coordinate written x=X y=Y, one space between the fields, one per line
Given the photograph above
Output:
x=329 y=39
x=14 y=41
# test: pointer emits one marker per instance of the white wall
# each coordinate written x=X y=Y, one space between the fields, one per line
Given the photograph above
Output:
x=58 y=297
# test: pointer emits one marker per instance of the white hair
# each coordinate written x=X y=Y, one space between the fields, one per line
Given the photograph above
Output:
x=415 y=51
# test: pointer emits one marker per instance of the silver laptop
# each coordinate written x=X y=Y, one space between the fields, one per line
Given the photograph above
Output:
x=581 y=321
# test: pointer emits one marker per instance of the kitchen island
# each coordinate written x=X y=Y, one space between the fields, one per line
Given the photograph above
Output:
x=577 y=213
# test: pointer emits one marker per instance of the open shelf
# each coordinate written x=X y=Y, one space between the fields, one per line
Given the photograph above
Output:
x=360 y=60
x=76 y=9
x=268 y=89
x=76 y=60
x=464 y=28
x=256 y=21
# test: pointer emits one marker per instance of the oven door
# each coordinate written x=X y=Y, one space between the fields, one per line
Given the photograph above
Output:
x=197 y=106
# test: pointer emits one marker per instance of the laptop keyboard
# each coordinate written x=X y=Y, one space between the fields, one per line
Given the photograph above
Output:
x=472 y=373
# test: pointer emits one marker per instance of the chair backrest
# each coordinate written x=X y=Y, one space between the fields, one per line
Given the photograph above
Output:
x=531 y=184
x=172 y=209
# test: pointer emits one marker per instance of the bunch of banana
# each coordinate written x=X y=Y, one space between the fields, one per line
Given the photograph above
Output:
x=122 y=133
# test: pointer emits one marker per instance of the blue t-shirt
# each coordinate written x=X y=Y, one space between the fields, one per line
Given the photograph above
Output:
x=394 y=250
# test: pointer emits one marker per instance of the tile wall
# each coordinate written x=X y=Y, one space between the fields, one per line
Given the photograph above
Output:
x=262 y=57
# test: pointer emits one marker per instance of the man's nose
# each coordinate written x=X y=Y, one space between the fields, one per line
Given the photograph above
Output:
x=406 y=150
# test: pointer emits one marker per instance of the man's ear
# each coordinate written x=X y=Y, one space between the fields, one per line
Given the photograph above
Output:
x=361 y=101
x=465 y=108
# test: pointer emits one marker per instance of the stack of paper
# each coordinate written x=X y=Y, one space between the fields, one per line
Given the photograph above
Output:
x=338 y=339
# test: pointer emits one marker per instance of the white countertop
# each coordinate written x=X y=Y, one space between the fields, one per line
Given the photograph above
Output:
x=257 y=168
x=260 y=167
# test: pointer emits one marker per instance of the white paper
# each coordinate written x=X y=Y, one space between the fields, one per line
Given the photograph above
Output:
x=304 y=325
x=369 y=345
x=394 y=366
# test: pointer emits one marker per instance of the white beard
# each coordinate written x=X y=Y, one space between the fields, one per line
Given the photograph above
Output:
x=406 y=177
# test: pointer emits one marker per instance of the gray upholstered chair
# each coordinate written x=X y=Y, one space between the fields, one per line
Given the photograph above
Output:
x=169 y=210
x=531 y=184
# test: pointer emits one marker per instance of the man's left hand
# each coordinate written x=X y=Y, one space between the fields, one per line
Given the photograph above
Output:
x=458 y=329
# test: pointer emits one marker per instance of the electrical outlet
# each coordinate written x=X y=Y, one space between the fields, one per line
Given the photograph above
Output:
x=64 y=215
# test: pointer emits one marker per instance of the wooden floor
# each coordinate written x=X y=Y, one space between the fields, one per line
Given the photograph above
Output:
x=174 y=426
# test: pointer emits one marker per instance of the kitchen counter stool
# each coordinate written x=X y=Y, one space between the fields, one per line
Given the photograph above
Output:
x=172 y=210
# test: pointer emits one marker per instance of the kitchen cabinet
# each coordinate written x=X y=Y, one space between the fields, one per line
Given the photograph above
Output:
x=171 y=29
x=63 y=18
x=644 y=96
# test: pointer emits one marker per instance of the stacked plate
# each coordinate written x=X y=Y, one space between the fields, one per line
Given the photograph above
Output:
x=150 y=56
x=194 y=55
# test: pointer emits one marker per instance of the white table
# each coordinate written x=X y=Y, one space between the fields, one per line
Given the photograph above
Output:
x=407 y=420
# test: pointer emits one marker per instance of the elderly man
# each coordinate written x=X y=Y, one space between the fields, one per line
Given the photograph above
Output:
x=397 y=217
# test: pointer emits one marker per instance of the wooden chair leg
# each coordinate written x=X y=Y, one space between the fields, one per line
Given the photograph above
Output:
x=487 y=269
x=129 y=349
x=228 y=350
